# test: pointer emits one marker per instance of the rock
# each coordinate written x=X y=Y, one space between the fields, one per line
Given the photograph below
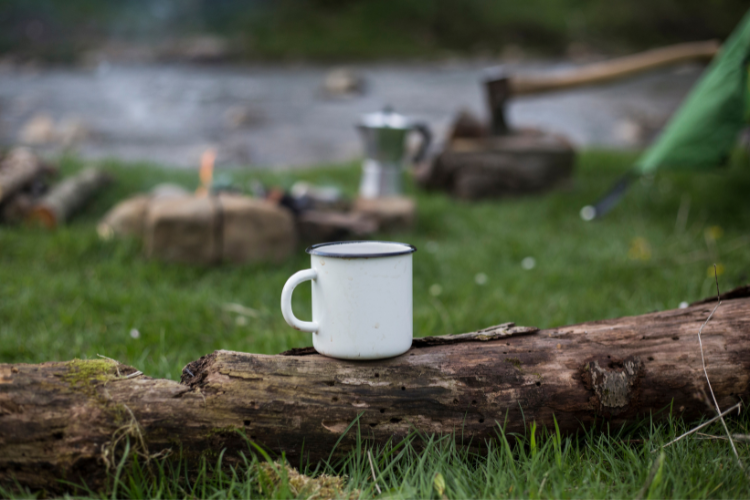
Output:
x=255 y=230
x=42 y=130
x=183 y=230
x=71 y=131
x=341 y=82
x=396 y=213
x=126 y=219
x=239 y=116
x=527 y=161
x=629 y=132
x=38 y=130
x=202 y=48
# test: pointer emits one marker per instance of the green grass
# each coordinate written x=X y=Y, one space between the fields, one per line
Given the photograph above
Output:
x=67 y=294
x=622 y=464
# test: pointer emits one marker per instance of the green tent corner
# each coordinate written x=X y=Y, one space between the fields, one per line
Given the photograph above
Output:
x=703 y=132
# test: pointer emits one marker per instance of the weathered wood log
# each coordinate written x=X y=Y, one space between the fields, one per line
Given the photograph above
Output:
x=56 y=207
x=18 y=169
x=17 y=208
x=317 y=226
x=70 y=420
x=527 y=161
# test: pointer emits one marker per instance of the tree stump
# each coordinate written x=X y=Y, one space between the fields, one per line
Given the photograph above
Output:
x=496 y=166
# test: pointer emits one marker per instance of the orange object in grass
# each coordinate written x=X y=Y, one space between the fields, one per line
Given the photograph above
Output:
x=206 y=172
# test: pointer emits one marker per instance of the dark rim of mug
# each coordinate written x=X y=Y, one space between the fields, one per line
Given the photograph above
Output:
x=318 y=249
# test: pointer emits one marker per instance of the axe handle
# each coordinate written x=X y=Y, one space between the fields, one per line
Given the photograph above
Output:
x=614 y=69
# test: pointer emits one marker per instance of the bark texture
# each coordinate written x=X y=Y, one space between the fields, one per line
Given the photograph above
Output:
x=17 y=170
x=57 y=206
x=522 y=162
x=70 y=420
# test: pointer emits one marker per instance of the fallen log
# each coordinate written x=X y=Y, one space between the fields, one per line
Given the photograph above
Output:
x=56 y=207
x=70 y=420
x=19 y=168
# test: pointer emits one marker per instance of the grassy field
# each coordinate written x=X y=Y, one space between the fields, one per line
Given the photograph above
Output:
x=68 y=294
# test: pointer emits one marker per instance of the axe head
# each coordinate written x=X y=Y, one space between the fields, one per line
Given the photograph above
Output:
x=497 y=88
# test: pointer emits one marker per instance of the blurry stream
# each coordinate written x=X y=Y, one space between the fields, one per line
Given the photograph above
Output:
x=273 y=116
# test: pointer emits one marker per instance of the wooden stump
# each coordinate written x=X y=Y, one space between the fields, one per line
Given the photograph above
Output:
x=59 y=204
x=254 y=230
x=211 y=229
x=484 y=167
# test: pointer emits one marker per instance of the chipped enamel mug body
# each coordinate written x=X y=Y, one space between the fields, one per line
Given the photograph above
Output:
x=361 y=299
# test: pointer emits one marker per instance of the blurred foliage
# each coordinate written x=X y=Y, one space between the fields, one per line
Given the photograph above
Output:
x=349 y=29
x=372 y=28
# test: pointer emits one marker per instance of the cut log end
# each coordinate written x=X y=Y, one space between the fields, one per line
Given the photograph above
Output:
x=43 y=216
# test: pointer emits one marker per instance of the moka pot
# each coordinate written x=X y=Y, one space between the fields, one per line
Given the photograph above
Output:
x=384 y=134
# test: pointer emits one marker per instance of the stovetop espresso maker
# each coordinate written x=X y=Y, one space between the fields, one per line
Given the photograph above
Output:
x=384 y=134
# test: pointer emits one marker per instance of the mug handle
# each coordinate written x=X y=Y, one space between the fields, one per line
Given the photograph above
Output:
x=286 y=301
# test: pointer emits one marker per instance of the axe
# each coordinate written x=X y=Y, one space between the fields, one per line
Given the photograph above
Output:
x=500 y=86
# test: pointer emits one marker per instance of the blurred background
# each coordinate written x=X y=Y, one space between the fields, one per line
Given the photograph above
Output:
x=70 y=31
x=148 y=90
x=280 y=83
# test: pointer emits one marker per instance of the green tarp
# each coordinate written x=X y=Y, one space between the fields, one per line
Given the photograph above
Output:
x=704 y=130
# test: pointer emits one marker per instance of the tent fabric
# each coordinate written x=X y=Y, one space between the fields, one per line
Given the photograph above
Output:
x=702 y=133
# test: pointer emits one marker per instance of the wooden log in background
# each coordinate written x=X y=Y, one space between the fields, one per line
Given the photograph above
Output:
x=527 y=161
x=68 y=420
x=17 y=170
x=56 y=207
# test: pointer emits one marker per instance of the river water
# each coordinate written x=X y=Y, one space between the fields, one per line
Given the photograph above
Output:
x=274 y=116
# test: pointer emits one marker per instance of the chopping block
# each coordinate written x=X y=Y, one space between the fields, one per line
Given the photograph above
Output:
x=494 y=159
x=525 y=161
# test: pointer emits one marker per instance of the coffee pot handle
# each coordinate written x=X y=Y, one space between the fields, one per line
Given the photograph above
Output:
x=286 y=301
x=424 y=130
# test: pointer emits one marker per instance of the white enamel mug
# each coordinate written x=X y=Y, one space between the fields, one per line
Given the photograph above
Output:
x=361 y=299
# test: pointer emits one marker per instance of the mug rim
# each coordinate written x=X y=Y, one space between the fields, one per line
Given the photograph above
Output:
x=317 y=250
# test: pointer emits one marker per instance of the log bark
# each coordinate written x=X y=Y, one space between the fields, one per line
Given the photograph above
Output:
x=527 y=161
x=69 y=420
x=327 y=225
x=56 y=207
x=17 y=170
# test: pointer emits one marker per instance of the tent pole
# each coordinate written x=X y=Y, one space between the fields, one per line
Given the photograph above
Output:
x=609 y=200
